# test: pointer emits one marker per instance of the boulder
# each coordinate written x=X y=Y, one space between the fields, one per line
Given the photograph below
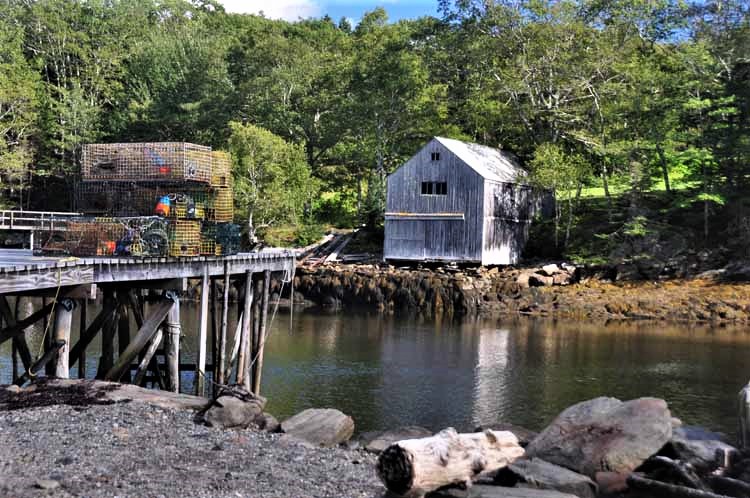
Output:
x=738 y=271
x=229 y=412
x=267 y=422
x=537 y=280
x=538 y=474
x=562 y=279
x=523 y=279
x=550 y=269
x=484 y=491
x=320 y=426
x=698 y=447
x=605 y=434
x=378 y=441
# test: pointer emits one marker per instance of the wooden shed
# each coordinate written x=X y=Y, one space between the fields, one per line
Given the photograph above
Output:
x=460 y=202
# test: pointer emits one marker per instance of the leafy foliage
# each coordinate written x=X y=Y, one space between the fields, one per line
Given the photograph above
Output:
x=597 y=97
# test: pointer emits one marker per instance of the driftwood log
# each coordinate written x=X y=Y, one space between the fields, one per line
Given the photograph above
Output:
x=415 y=467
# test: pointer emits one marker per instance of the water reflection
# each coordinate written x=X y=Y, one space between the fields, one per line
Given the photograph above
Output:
x=387 y=371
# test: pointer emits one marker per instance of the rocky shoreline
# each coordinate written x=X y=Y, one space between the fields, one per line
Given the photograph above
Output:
x=96 y=439
x=555 y=290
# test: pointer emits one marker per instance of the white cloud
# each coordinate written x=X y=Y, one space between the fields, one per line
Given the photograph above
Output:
x=291 y=10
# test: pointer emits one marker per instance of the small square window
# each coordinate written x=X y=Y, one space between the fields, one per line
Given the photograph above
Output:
x=434 y=188
x=435 y=156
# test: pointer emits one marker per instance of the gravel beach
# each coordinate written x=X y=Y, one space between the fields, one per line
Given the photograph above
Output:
x=133 y=449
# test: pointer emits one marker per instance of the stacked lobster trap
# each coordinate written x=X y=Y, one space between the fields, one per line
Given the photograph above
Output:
x=151 y=199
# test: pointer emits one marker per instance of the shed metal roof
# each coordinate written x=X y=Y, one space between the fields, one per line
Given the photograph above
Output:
x=492 y=164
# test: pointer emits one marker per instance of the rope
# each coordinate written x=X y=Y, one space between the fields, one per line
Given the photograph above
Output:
x=46 y=328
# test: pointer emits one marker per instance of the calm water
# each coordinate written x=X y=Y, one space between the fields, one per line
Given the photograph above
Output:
x=385 y=371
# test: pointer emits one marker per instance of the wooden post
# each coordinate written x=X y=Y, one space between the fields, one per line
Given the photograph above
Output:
x=245 y=354
x=214 y=331
x=81 y=332
x=172 y=344
x=107 y=359
x=291 y=302
x=200 y=371
x=258 y=360
x=63 y=322
x=255 y=320
x=49 y=368
x=744 y=417
x=223 y=331
x=123 y=330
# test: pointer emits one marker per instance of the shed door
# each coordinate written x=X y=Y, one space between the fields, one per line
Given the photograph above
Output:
x=406 y=239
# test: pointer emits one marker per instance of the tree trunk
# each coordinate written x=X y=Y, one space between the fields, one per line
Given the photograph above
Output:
x=664 y=168
x=415 y=467
x=605 y=183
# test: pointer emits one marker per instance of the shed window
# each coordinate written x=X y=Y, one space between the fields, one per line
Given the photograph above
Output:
x=435 y=156
x=434 y=188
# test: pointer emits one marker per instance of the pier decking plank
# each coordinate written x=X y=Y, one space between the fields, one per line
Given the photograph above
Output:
x=21 y=271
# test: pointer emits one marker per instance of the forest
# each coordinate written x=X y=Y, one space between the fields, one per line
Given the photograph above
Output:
x=635 y=112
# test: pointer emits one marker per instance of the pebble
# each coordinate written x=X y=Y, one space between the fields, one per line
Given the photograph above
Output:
x=47 y=484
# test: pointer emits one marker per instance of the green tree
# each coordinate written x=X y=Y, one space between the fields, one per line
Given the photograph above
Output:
x=272 y=181
x=18 y=107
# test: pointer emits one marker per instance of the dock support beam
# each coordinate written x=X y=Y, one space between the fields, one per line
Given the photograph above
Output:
x=244 y=360
x=123 y=329
x=258 y=357
x=200 y=372
x=63 y=322
x=172 y=345
x=81 y=332
x=223 y=330
x=107 y=360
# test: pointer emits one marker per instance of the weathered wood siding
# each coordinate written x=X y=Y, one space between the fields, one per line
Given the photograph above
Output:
x=508 y=211
x=435 y=239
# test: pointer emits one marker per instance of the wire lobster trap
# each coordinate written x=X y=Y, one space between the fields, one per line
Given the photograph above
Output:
x=147 y=161
x=221 y=169
x=128 y=199
x=184 y=238
x=220 y=239
x=144 y=236
x=221 y=207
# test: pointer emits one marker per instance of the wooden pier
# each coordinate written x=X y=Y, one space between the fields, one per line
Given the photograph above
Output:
x=147 y=289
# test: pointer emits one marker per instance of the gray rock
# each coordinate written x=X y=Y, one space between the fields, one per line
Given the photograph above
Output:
x=228 y=412
x=47 y=484
x=523 y=279
x=698 y=447
x=537 y=280
x=320 y=426
x=605 y=434
x=379 y=441
x=550 y=269
x=738 y=271
x=484 y=491
x=562 y=279
x=697 y=433
x=267 y=422
x=536 y=473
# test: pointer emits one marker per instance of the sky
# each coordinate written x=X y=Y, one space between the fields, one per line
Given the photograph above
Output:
x=292 y=10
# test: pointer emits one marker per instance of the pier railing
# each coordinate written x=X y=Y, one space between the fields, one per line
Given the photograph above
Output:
x=34 y=220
